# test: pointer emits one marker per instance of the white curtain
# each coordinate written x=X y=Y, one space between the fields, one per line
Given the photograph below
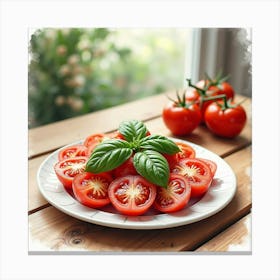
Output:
x=225 y=49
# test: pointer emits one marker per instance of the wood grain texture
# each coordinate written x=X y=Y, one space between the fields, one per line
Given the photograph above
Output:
x=200 y=136
x=51 y=229
x=52 y=136
x=35 y=199
x=236 y=238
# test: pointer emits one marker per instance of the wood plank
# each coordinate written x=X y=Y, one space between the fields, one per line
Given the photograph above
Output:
x=201 y=136
x=236 y=238
x=46 y=138
x=35 y=199
x=51 y=229
x=52 y=136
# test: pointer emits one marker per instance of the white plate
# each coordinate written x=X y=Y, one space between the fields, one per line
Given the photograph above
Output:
x=220 y=193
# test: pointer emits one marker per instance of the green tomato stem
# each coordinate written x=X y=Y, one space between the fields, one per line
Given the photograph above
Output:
x=201 y=91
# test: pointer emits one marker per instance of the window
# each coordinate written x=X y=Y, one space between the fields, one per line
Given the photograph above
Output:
x=77 y=71
x=74 y=71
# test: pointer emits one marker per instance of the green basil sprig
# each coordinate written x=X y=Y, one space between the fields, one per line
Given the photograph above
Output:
x=132 y=130
x=152 y=166
x=148 y=159
x=108 y=155
x=160 y=144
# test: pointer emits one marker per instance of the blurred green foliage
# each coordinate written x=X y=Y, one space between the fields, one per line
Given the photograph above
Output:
x=76 y=71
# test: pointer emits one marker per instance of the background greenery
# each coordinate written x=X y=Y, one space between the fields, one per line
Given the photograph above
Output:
x=77 y=71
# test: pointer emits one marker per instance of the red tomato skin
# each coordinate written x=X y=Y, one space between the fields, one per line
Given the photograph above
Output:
x=117 y=190
x=186 y=152
x=194 y=96
x=175 y=197
x=202 y=180
x=91 y=148
x=114 y=135
x=211 y=164
x=62 y=174
x=85 y=196
x=179 y=120
x=72 y=151
x=94 y=139
x=226 y=123
x=127 y=168
x=221 y=88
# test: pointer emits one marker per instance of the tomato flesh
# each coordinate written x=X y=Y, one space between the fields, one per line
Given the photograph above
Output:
x=132 y=194
x=197 y=173
x=211 y=164
x=94 y=139
x=72 y=151
x=186 y=152
x=127 y=168
x=175 y=196
x=67 y=169
x=92 y=189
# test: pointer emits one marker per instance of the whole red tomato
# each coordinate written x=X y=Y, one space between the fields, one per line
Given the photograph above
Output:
x=195 y=97
x=217 y=88
x=209 y=88
x=181 y=118
x=226 y=121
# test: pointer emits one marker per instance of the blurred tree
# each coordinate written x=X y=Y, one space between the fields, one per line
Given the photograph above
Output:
x=76 y=71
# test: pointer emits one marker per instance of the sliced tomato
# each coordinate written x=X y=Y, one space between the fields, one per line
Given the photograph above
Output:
x=127 y=168
x=175 y=196
x=212 y=165
x=197 y=173
x=92 y=189
x=91 y=148
x=67 y=169
x=186 y=152
x=72 y=151
x=114 y=135
x=132 y=195
x=94 y=139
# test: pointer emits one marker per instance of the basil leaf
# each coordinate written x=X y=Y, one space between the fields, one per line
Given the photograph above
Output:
x=160 y=144
x=108 y=155
x=152 y=166
x=132 y=130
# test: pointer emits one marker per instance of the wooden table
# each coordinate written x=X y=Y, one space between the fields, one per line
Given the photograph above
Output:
x=52 y=230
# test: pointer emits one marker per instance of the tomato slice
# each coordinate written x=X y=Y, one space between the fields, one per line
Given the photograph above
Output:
x=115 y=135
x=197 y=173
x=132 y=195
x=94 y=139
x=186 y=152
x=67 y=169
x=175 y=196
x=72 y=151
x=211 y=164
x=127 y=168
x=92 y=189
